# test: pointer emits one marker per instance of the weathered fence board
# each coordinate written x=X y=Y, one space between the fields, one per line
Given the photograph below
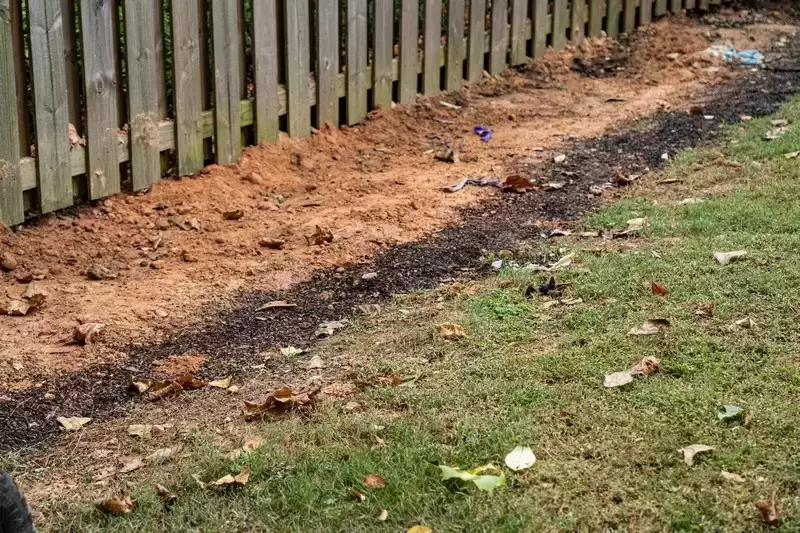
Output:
x=297 y=67
x=559 y=24
x=432 y=42
x=455 y=45
x=144 y=101
x=519 y=15
x=645 y=11
x=540 y=27
x=675 y=6
x=50 y=105
x=690 y=4
x=356 y=60
x=477 y=39
x=11 y=201
x=596 y=14
x=327 y=71
x=226 y=24
x=703 y=4
x=660 y=7
x=629 y=16
x=612 y=18
x=265 y=69
x=499 y=37
x=71 y=68
x=383 y=52
x=409 y=31
x=578 y=21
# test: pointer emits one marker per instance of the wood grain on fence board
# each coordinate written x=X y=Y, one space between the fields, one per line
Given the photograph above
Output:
x=265 y=70
x=455 y=45
x=578 y=21
x=101 y=94
x=225 y=24
x=50 y=104
x=409 y=31
x=645 y=11
x=431 y=59
x=499 y=37
x=187 y=74
x=690 y=4
x=296 y=24
x=660 y=7
x=11 y=201
x=327 y=69
x=629 y=16
x=612 y=18
x=596 y=14
x=382 y=53
x=519 y=15
x=542 y=25
x=477 y=39
x=703 y=4
x=675 y=6
x=559 y=29
x=71 y=67
x=356 y=61
x=143 y=90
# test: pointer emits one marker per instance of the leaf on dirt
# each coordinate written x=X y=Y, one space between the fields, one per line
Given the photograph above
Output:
x=280 y=402
x=129 y=464
x=723 y=258
x=117 y=506
x=291 y=351
x=690 y=451
x=86 y=333
x=319 y=237
x=251 y=443
x=239 y=480
x=562 y=263
x=236 y=214
x=326 y=329
x=160 y=456
x=190 y=382
x=35 y=294
x=272 y=243
x=645 y=367
x=374 y=481
x=705 y=309
x=165 y=494
x=277 y=304
x=484 y=482
x=520 y=458
x=450 y=331
x=16 y=308
x=769 y=511
x=72 y=423
x=658 y=289
x=140 y=430
x=517 y=183
x=554 y=185
x=358 y=495
x=617 y=379
x=650 y=327
x=223 y=383
x=729 y=412
x=384 y=516
x=732 y=477
x=315 y=363
x=100 y=273
x=164 y=389
x=420 y=529
x=747 y=323
x=139 y=385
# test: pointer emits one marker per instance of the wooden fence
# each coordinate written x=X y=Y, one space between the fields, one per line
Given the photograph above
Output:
x=97 y=96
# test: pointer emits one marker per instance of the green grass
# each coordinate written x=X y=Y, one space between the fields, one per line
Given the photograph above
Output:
x=607 y=458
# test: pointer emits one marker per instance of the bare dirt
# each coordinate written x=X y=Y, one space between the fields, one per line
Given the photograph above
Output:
x=375 y=187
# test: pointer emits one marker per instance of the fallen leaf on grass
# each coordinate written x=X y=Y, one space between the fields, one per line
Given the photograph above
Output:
x=729 y=412
x=129 y=464
x=374 y=481
x=72 y=423
x=520 y=458
x=732 y=477
x=617 y=379
x=775 y=133
x=326 y=329
x=384 y=516
x=358 y=495
x=236 y=214
x=484 y=482
x=792 y=155
x=117 y=506
x=85 y=333
x=769 y=511
x=139 y=430
x=223 y=383
x=277 y=304
x=705 y=309
x=291 y=351
x=645 y=367
x=251 y=443
x=690 y=451
x=319 y=237
x=450 y=331
x=420 y=529
x=562 y=263
x=723 y=258
x=658 y=289
x=239 y=480
x=166 y=494
x=315 y=363
x=746 y=323
x=650 y=327
x=280 y=402
x=159 y=456
x=633 y=226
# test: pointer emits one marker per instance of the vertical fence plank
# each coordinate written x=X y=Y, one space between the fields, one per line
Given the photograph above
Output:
x=431 y=69
x=499 y=37
x=225 y=24
x=265 y=70
x=645 y=11
x=540 y=28
x=187 y=78
x=675 y=6
x=691 y=4
x=356 y=60
x=455 y=44
x=11 y=203
x=578 y=21
x=143 y=90
x=703 y=4
x=71 y=67
x=23 y=117
x=382 y=53
x=596 y=13
x=612 y=18
x=297 y=67
x=50 y=104
x=100 y=88
x=559 y=23
x=660 y=8
x=477 y=28
x=327 y=71
x=629 y=16
x=409 y=29
x=519 y=15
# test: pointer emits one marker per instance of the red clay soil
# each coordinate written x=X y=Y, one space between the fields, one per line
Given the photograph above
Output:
x=173 y=252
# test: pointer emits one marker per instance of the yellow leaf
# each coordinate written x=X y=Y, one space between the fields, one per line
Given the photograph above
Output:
x=420 y=529
x=73 y=423
x=220 y=383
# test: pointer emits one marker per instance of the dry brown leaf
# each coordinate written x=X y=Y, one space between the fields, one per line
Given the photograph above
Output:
x=72 y=423
x=277 y=304
x=235 y=214
x=159 y=456
x=117 y=506
x=420 y=529
x=517 y=183
x=690 y=451
x=650 y=327
x=166 y=494
x=319 y=237
x=389 y=380
x=280 y=402
x=646 y=366
x=129 y=464
x=239 y=480
x=374 y=481
x=732 y=477
x=658 y=289
x=358 y=495
x=705 y=309
x=450 y=331
x=163 y=389
x=251 y=443
x=189 y=382
x=86 y=333
x=339 y=390
x=223 y=383
x=769 y=511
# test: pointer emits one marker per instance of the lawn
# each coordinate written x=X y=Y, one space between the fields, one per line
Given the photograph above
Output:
x=531 y=373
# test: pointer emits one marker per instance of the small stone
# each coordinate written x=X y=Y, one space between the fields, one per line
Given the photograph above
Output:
x=157 y=265
x=162 y=224
x=8 y=262
x=188 y=257
x=352 y=406
x=144 y=263
x=560 y=158
x=673 y=56
x=665 y=156
x=24 y=277
x=100 y=273
x=369 y=276
x=49 y=396
x=272 y=244
x=160 y=313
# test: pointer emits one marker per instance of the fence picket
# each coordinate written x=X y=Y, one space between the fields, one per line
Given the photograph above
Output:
x=519 y=15
x=50 y=105
x=629 y=16
x=612 y=18
x=431 y=59
x=327 y=69
x=187 y=74
x=578 y=21
x=596 y=13
x=477 y=40
x=660 y=7
x=409 y=31
x=455 y=44
x=559 y=24
x=356 y=60
x=645 y=11
x=383 y=52
x=540 y=28
x=703 y=4
x=675 y=6
x=297 y=68
x=225 y=24
x=499 y=37
x=144 y=101
x=11 y=201
x=265 y=70
x=690 y=4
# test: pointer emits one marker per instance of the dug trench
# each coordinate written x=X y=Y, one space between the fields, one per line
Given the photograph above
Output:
x=230 y=339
